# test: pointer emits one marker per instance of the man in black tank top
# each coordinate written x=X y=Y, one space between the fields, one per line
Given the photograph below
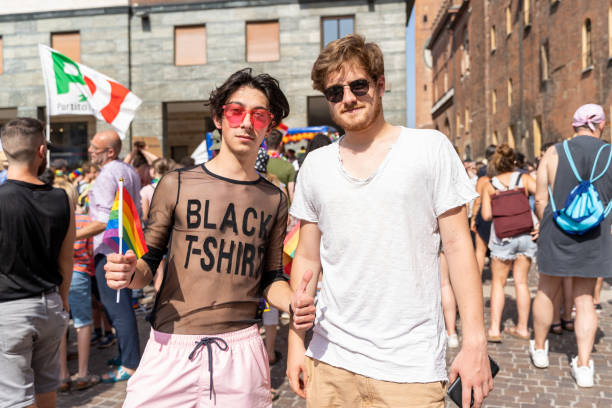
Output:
x=578 y=256
x=36 y=248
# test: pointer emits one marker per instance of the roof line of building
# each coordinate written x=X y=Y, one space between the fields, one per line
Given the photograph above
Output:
x=447 y=10
x=39 y=15
x=169 y=8
x=145 y=9
x=460 y=9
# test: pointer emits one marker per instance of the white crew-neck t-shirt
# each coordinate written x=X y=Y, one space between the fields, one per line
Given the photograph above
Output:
x=379 y=312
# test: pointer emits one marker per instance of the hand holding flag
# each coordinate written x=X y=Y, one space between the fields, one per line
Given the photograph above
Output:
x=123 y=227
x=119 y=269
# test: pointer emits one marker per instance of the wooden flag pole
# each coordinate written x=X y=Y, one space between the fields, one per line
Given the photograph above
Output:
x=120 y=216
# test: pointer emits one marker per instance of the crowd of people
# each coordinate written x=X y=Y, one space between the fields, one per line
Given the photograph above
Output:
x=571 y=269
x=394 y=229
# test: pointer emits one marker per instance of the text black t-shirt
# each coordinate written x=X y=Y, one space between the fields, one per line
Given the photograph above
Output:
x=34 y=220
x=226 y=248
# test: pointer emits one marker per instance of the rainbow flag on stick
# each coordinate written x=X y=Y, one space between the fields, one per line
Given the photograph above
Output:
x=124 y=226
x=291 y=241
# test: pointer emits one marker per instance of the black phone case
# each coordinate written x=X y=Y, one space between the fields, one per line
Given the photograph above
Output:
x=455 y=390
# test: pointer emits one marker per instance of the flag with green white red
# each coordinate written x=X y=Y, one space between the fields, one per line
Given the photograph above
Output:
x=75 y=89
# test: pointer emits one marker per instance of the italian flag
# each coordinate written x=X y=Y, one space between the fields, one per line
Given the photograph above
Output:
x=75 y=89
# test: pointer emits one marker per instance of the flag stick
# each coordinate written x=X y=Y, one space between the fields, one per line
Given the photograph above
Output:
x=47 y=110
x=120 y=215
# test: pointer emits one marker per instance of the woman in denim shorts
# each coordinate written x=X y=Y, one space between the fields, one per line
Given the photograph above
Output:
x=515 y=253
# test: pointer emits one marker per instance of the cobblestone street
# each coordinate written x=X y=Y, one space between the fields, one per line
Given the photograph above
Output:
x=518 y=383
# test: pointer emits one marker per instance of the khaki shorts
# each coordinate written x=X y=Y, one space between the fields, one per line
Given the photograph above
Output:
x=330 y=386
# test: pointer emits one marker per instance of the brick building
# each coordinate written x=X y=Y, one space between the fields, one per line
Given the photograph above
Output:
x=424 y=15
x=171 y=53
x=514 y=71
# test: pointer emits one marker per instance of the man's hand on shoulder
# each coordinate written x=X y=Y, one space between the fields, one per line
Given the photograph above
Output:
x=472 y=365
x=120 y=269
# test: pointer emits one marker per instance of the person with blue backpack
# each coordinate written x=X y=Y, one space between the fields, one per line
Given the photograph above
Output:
x=573 y=201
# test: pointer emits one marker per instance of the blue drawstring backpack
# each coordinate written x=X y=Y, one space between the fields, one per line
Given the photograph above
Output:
x=583 y=209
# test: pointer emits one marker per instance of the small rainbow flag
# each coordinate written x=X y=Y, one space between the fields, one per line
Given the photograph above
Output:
x=291 y=240
x=123 y=233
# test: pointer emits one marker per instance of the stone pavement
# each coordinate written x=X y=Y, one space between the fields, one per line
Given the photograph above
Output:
x=518 y=383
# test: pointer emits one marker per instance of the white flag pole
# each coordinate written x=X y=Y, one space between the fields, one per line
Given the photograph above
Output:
x=48 y=108
x=120 y=226
x=48 y=137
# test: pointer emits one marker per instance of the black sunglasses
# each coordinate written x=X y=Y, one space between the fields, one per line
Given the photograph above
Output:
x=335 y=93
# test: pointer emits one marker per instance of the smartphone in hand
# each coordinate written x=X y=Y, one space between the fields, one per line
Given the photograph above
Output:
x=455 y=392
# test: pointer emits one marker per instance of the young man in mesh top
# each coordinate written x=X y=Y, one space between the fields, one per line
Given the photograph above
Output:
x=225 y=226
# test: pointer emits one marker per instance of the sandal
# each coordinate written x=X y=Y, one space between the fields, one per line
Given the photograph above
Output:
x=514 y=333
x=494 y=339
x=275 y=394
x=568 y=325
x=82 y=383
x=556 y=328
x=278 y=356
x=65 y=385
x=114 y=376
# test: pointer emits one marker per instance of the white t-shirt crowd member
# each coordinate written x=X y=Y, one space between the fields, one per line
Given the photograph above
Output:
x=379 y=312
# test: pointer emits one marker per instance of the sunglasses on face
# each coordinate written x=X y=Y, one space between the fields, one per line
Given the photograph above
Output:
x=235 y=114
x=335 y=93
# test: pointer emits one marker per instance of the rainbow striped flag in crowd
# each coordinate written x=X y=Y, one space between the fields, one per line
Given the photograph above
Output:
x=123 y=230
x=291 y=241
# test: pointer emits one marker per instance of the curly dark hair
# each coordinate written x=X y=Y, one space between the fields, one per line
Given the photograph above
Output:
x=279 y=106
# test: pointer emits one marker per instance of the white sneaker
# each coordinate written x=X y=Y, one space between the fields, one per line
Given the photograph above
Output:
x=583 y=375
x=452 y=341
x=539 y=357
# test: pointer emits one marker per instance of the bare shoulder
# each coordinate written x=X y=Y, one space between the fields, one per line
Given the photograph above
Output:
x=549 y=159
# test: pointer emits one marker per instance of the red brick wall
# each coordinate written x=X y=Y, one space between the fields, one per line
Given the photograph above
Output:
x=555 y=100
x=423 y=10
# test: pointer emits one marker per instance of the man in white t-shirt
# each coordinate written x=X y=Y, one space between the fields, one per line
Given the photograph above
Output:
x=373 y=208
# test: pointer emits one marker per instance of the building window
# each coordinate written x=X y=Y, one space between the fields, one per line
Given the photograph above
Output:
x=424 y=18
x=494 y=138
x=537 y=136
x=544 y=76
x=6 y=115
x=511 y=136
x=494 y=101
x=465 y=55
x=458 y=132
x=467 y=120
x=318 y=112
x=587 y=53
x=68 y=44
x=263 y=41
x=493 y=42
x=190 y=45
x=510 y=92
x=333 y=28
x=527 y=12
x=509 y=19
x=610 y=30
